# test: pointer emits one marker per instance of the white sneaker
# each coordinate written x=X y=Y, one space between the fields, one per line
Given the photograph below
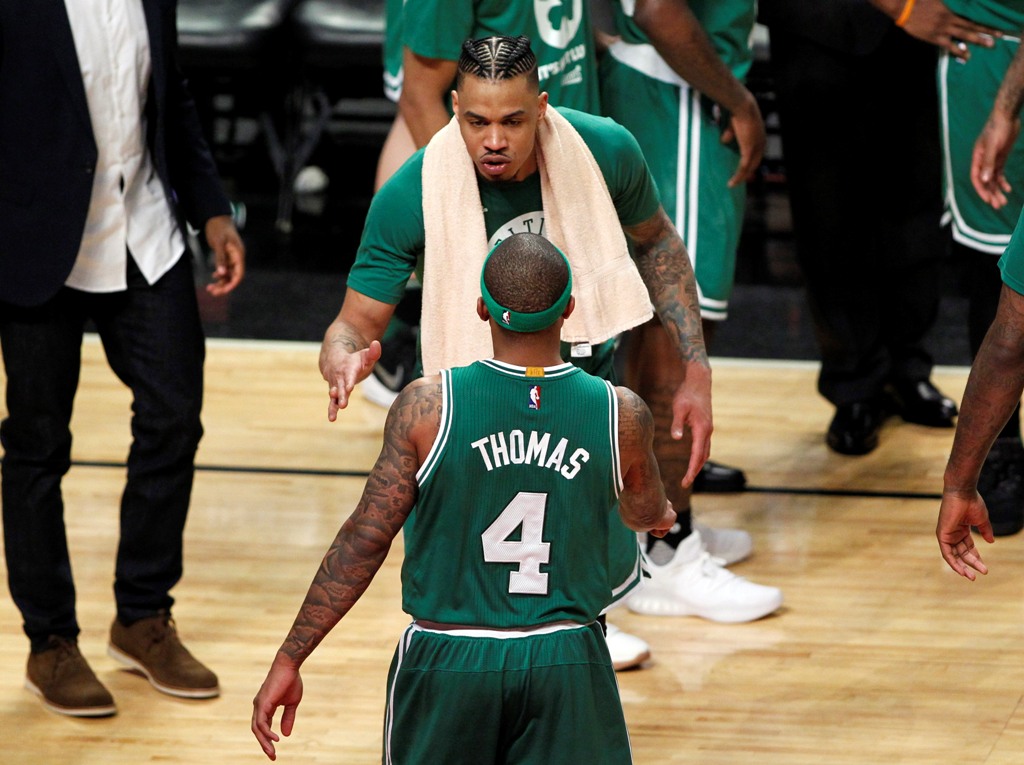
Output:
x=627 y=650
x=694 y=583
x=728 y=545
x=377 y=392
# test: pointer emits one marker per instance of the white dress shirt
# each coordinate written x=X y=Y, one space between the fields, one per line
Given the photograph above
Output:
x=128 y=209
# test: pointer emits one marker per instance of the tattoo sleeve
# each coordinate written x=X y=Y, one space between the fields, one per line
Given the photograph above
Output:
x=664 y=266
x=363 y=542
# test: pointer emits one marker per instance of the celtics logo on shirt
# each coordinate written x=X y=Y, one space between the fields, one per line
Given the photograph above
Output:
x=557 y=27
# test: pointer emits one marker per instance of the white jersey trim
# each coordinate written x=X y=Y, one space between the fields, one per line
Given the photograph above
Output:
x=501 y=634
x=441 y=439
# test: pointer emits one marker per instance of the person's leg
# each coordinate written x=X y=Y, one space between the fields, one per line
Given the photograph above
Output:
x=685 y=578
x=906 y=217
x=154 y=343
x=439 y=689
x=832 y=178
x=398 y=147
x=42 y=357
x=564 y=707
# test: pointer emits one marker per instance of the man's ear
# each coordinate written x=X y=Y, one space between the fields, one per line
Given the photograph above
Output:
x=569 y=307
x=542 y=105
x=481 y=310
x=455 y=103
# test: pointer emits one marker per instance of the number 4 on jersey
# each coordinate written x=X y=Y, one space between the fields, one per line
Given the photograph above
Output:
x=526 y=511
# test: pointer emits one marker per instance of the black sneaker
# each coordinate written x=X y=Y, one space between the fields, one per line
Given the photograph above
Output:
x=1001 y=485
x=715 y=478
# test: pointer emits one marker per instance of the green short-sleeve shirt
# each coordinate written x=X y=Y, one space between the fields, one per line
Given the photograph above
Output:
x=393 y=237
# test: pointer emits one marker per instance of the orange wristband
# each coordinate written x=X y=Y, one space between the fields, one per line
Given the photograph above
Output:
x=908 y=6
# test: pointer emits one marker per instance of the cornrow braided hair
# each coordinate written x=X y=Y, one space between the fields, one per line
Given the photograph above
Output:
x=497 y=58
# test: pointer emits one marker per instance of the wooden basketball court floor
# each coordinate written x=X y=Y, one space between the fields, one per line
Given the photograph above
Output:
x=880 y=654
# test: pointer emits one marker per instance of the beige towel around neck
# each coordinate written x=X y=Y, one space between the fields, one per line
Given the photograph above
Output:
x=580 y=219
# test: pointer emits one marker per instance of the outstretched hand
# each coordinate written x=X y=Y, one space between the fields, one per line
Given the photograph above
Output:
x=282 y=687
x=343 y=369
x=957 y=514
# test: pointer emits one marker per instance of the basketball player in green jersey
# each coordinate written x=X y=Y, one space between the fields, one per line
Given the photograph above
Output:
x=499 y=109
x=502 y=487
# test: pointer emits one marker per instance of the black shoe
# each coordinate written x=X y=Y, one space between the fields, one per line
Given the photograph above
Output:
x=715 y=478
x=854 y=429
x=923 y=404
x=1001 y=485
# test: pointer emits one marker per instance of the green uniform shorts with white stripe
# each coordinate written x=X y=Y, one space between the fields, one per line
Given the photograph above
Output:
x=966 y=93
x=510 y=697
x=680 y=131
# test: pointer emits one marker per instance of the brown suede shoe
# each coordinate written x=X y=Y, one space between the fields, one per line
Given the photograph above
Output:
x=152 y=647
x=63 y=680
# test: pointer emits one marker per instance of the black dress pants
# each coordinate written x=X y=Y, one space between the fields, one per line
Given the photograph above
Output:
x=861 y=146
x=153 y=341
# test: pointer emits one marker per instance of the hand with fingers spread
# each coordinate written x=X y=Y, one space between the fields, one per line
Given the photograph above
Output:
x=957 y=514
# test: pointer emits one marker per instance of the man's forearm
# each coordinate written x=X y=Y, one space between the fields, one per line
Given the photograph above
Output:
x=1010 y=97
x=344 y=574
x=681 y=41
x=665 y=268
x=993 y=390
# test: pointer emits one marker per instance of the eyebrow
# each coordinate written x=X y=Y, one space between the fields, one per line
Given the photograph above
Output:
x=517 y=113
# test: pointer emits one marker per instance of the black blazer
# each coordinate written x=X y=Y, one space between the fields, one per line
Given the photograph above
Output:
x=48 y=151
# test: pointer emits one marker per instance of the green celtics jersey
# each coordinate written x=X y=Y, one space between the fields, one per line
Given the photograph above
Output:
x=728 y=23
x=1011 y=262
x=393 y=234
x=392 y=48
x=559 y=32
x=511 y=525
x=1006 y=15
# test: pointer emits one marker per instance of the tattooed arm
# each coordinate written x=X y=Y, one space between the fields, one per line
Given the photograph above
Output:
x=351 y=346
x=998 y=136
x=993 y=390
x=642 y=502
x=665 y=268
x=357 y=553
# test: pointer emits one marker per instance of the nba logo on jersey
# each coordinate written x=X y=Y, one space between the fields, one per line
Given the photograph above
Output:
x=535 y=397
x=506 y=317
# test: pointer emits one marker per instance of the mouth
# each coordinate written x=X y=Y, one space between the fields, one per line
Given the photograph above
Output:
x=493 y=164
